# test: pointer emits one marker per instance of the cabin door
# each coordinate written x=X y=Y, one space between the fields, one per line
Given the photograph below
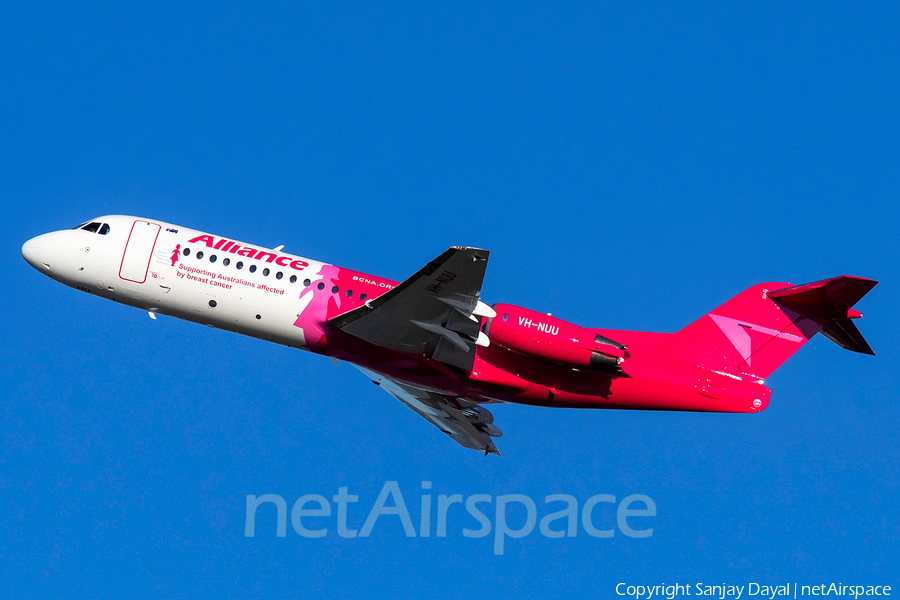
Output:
x=139 y=251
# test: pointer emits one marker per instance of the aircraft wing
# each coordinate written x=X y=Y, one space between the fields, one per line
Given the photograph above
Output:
x=466 y=422
x=436 y=312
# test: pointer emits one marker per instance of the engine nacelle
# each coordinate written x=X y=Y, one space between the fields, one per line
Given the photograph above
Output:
x=548 y=338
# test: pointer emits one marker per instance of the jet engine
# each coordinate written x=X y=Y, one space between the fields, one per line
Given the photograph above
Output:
x=548 y=338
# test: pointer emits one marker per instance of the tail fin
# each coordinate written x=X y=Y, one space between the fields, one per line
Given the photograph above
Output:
x=756 y=331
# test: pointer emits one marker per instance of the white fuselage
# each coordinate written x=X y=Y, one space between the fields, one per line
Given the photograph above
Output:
x=173 y=270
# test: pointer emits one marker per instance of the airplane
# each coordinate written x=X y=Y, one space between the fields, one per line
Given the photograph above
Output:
x=432 y=343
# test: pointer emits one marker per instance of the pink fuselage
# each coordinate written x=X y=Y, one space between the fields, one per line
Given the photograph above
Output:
x=645 y=380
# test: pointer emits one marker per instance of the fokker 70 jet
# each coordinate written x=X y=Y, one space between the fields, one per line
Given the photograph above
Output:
x=432 y=343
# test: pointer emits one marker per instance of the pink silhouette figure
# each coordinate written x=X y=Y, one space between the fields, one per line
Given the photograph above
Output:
x=175 y=253
x=324 y=305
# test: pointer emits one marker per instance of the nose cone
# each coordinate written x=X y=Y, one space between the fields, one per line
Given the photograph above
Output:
x=35 y=252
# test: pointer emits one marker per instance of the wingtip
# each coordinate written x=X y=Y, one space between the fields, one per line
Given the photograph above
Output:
x=492 y=449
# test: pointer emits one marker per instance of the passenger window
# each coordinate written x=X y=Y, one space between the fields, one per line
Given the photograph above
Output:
x=239 y=265
x=505 y=317
x=293 y=279
x=199 y=255
x=321 y=286
x=279 y=275
x=306 y=282
x=186 y=251
x=212 y=258
x=92 y=227
x=226 y=261
x=253 y=268
x=104 y=229
x=362 y=297
x=349 y=293
x=334 y=290
x=266 y=272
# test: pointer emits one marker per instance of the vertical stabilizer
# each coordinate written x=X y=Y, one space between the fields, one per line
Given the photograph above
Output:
x=752 y=334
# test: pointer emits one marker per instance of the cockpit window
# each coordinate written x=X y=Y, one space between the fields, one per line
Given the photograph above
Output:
x=95 y=227
x=79 y=226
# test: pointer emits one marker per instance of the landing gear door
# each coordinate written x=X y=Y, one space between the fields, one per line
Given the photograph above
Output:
x=139 y=251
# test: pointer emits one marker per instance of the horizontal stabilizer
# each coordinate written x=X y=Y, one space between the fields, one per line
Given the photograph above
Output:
x=831 y=301
x=845 y=334
x=829 y=298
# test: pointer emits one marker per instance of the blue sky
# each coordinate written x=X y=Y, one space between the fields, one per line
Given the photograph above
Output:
x=629 y=167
